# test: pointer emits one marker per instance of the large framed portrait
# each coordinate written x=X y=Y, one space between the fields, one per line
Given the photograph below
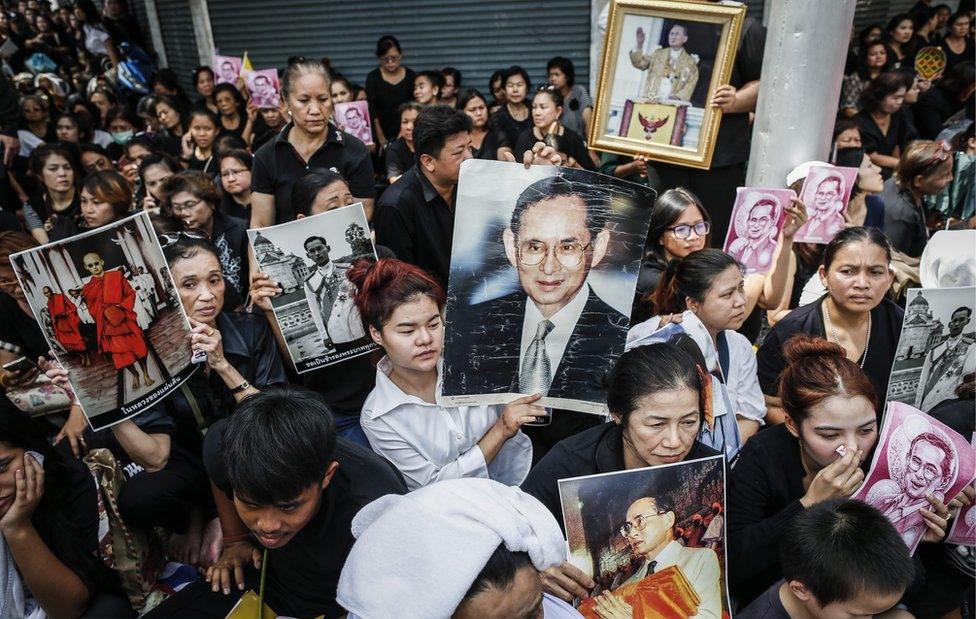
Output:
x=662 y=62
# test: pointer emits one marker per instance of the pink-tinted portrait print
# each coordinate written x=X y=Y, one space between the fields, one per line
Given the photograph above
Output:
x=757 y=219
x=917 y=456
x=825 y=193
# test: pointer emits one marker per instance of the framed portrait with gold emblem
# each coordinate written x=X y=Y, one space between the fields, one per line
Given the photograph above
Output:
x=662 y=62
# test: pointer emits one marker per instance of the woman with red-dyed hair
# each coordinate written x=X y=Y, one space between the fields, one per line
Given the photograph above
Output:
x=818 y=454
x=402 y=308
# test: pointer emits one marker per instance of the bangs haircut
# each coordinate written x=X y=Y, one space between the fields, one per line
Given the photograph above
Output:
x=278 y=443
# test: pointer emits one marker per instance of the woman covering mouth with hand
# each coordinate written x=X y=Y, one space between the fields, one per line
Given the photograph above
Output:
x=402 y=306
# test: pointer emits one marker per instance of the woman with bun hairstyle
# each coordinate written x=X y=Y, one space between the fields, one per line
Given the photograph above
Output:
x=854 y=313
x=402 y=307
x=818 y=454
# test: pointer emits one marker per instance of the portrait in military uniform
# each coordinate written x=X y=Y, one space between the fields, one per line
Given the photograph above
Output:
x=936 y=349
x=309 y=258
x=662 y=62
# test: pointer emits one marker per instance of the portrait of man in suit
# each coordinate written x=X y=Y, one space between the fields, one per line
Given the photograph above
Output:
x=554 y=335
x=649 y=531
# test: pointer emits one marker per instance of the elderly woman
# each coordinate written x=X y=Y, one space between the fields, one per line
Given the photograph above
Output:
x=165 y=442
x=192 y=197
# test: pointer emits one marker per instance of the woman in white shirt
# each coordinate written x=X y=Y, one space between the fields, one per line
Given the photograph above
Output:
x=402 y=305
x=711 y=284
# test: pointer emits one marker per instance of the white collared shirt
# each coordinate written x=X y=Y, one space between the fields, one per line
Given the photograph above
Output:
x=428 y=442
x=700 y=566
x=564 y=323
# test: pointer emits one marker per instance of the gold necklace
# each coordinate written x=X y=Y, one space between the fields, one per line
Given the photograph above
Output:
x=833 y=333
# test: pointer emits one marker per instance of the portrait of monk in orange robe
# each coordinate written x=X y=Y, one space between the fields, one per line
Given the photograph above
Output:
x=111 y=299
x=66 y=323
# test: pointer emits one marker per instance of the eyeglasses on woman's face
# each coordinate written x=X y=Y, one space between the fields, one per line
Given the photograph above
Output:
x=683 y=231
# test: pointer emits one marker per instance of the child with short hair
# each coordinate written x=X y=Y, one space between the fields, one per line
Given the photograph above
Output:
x=839 y=558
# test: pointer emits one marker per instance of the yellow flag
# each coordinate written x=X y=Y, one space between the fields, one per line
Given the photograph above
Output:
x=246 y=64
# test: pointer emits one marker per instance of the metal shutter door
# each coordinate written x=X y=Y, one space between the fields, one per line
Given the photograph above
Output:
x=474 y=36
x=178 y=38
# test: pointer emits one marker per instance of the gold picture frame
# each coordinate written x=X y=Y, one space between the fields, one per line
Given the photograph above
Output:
x=653 y=92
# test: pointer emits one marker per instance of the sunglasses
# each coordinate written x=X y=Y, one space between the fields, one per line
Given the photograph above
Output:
x=170 y=238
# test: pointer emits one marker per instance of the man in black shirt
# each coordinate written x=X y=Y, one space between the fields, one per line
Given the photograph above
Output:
x=286 y=491
x=415 y=216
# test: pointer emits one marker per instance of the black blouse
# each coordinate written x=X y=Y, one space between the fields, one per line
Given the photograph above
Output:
x=597 y=450
x=399 y=158
x=900 y=133
x=508 y=129
x=570 y=143
x=386 y=98
x=764 y=494
x=886 y=321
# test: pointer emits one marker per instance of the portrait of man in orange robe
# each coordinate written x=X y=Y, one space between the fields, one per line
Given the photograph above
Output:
x=111 y=299
x=66 y=323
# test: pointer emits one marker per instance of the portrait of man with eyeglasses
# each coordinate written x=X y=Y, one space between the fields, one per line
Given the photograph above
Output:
x=649 y=532
x=554 y=335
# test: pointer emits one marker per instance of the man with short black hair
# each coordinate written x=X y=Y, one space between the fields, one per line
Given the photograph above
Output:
x=415 y=216
x=840 y=558
x=286 y=487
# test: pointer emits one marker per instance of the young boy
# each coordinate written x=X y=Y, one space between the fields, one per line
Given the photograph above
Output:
x=287 y=489
x=840 y=559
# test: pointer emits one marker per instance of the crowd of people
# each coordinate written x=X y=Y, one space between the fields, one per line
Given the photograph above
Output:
x=350 y=490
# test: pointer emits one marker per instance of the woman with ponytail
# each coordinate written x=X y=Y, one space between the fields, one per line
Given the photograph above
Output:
x=711 y=285
x=818 y=454
x=402 y=307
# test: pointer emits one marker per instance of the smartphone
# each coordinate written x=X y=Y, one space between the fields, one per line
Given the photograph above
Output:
x=21 y=365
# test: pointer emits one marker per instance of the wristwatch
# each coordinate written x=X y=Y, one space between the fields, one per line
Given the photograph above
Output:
x=242 y=387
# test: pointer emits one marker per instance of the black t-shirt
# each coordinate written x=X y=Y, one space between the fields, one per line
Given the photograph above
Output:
x=417 y=224
x=873 y=140
x=904 y=222
x=232 y=208
x=302 y=575
x=399 y=158
x=345 y=385
x=766 y=606
x=735 y=132
x=886 y=321
x=208 y=165
x=597 y=450
x=385 y=99
x=570 y=143
x=277 y=165
x=508 y=129
x=764 y=494
x=20 y=329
